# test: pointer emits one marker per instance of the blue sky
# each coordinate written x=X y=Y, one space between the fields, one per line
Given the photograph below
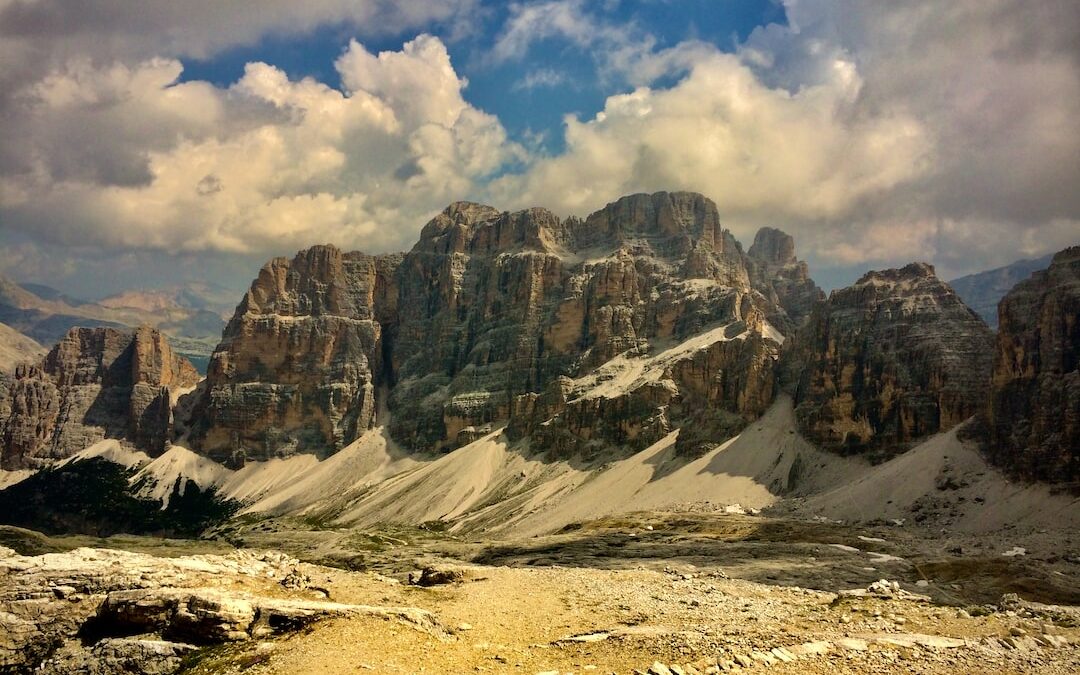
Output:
x=530 y=110
x=144 y=145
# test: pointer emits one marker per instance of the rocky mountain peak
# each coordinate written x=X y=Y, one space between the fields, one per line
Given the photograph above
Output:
x=910 y=273
x=96 y=383
x=676 y=217
x=779 y=275
x=1034 y=404
x=888 y=360
x=773 y=247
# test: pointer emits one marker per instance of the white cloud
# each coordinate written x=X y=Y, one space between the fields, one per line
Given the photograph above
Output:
x=289 y=162
x=542 y=78
x=764 y=155
x=876 y=132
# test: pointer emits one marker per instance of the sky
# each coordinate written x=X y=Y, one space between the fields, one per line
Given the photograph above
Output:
x=145 y=144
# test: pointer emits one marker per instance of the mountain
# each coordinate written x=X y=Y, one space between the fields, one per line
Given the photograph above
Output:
x=890 y=360
x=46 y=315
x=1033 y=414
x=195 y=295
x=515 y=371
x=16 y=348
x=94 y=384
x=50 y=293
x=983 y=291
x=487 y=307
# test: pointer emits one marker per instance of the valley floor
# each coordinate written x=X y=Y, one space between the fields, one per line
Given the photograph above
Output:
x=687 y=589
x=620 y=593
x=763 y=554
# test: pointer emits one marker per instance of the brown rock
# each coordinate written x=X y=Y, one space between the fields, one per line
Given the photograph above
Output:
x=489 y=307
x=1034 y=403
x=889 y=360
x=95 y=383
x=300 y=362
x=782 y=278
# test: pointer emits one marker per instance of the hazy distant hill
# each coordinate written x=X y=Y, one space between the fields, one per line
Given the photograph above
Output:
x=16 y=348
x=45 y=315
x=983 y=291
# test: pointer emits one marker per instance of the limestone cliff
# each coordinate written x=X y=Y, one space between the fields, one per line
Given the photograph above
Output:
x=494 y=305
x=486 y=307
x=95 y=383
x=300 y=361
x=784 y=279
x=1034 y=404
x=888 y=360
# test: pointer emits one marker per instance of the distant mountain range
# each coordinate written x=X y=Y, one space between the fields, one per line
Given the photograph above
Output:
x=16 y=348
x=190 y=315
x=983 y=291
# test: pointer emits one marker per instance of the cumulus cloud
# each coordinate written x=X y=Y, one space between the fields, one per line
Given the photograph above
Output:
x=877 y=132
x=995 y=87
x=763 y=154
x=265 y=164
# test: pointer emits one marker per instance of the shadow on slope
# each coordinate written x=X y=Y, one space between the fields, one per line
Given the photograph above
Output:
x=95 y=496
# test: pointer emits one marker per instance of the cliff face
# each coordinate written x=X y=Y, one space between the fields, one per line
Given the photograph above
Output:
x=300 y=361
x=1034 y=404
x=486 y=307
x=493 y=305
x=95 y=383
x=890 y=359
x=782 y=278
x=708 y=386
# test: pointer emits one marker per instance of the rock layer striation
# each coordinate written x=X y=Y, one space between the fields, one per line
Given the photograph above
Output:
x=487 y=307
x=1034 y=404
x=893 y=358
x=96 y=383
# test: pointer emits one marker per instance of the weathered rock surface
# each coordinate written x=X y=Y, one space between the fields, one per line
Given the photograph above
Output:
x=708 y=387
x=888 y=360
x=108 y=611
x=1034 y=404
x=782 y=278
x=95 y=383
x=493 y=306
x=486 y=307
x=299 y=363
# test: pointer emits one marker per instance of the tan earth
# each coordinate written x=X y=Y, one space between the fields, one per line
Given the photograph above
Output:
x=684 y=590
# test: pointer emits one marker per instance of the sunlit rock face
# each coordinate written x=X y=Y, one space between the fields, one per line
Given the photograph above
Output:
x=784 y=279
x=891 y=359
x=300 y=361
x=495 y=305
x=95 y=383
x=488 y=306
x=1034 y=405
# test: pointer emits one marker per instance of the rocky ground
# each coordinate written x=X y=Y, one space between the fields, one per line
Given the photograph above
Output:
x=689 y=591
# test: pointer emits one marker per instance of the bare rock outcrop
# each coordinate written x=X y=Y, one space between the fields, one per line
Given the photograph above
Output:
x=1034 y=406
x=894 y=357
x=709 y=387
x=95 y=383
x=108 y=611
x=496 y=305
x=784 y=279
x=300 y=361
x=486 y=307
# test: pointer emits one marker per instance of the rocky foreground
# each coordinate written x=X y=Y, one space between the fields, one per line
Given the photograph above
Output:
x=108 y=611
x=652 y=593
